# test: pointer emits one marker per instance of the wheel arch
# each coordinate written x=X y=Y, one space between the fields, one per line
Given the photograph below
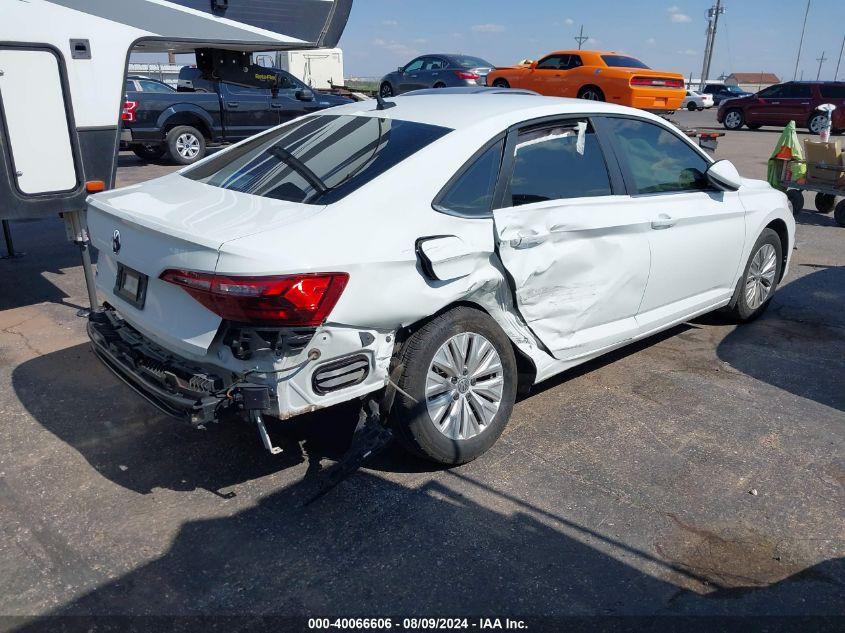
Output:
x=779 y=227
x=186 y=115
x=526 y=368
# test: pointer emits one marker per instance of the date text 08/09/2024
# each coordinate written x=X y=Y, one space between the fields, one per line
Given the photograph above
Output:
x=414 y=624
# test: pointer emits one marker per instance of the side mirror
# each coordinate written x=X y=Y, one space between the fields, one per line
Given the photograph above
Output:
x=723 y=175
x=304 y=95
x=400 y=70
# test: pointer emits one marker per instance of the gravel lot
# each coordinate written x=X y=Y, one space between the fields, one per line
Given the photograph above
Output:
x=699 y=471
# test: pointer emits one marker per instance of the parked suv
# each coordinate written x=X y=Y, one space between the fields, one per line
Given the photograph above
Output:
x=797 y=101
x=721 y=92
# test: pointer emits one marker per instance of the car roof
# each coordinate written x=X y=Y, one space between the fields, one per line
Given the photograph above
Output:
x=469 y=90
x=462 y=110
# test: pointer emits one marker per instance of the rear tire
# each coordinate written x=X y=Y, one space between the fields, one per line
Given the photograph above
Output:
x=796 y=200
x=149 y=152
x=734 y=119
x=439 y=85
x=816 y=123
x=759 y=279
x=591 y=93
x=501 y=83
x=753 y=126
x=839 y=213
x=185 y=144
x=444 y=412
x=692 y=107
x=825 y=202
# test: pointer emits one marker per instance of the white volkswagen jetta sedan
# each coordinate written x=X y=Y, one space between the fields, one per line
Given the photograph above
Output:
x=438 y=254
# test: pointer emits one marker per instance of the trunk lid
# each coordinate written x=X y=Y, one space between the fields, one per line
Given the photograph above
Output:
x=175 y=222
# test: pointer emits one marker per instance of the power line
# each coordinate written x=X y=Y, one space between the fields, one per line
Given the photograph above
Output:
x=821 y=60
x=801 y=43
x=836 y=74
x=581 y=38
x=713 y=14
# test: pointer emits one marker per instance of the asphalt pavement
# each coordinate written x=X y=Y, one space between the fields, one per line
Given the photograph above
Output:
x=699 y=471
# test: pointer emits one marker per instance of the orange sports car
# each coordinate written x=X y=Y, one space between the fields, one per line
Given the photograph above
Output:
x=597 y=75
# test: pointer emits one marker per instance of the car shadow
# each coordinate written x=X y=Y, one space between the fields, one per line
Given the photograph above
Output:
x=798 y=345
x=809 y=217
x=135 y=446
x=457 y=547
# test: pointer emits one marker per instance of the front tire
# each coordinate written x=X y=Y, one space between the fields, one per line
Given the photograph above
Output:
x=760 y=278
x=456 y=389
x=839 y=213
x=185 y=144
x=796 y=200
x=734 y=119
x=692 y=107
x=386 y=90
x=501 y=83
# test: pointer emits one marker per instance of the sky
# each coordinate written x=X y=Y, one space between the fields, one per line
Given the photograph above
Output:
x=753 y=35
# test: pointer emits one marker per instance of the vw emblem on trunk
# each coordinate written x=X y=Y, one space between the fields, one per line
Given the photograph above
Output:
x=115 y=241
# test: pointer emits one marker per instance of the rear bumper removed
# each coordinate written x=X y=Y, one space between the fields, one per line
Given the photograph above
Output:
x=170 y=384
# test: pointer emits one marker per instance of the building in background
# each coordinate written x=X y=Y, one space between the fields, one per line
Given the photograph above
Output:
x=752 y=82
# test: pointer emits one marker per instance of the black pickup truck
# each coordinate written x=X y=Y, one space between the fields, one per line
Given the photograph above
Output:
x=204 y=112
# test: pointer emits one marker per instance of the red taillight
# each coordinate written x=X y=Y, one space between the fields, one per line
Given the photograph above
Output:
x=463 y=74
x=288 y=300
x=128 y=112
x=657 y=82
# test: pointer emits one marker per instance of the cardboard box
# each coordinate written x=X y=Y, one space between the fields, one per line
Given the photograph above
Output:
x=829 y=153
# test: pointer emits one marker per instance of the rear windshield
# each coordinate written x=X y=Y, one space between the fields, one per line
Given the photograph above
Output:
x=316 y=160
x=623 y=61
x=471 y=62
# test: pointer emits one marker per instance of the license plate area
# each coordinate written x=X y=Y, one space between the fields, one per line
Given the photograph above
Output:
x=131 y=286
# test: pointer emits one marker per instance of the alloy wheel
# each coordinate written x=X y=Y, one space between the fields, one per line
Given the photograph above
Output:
x=188 y=146
x=590 y=95
x=817 y=123
x=386 y=90
x=464 y=386
x=733 y=120
x=761 y=276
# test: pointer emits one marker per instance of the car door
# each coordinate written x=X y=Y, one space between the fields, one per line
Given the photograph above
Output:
x=291 y=100
x=796 y=104
x=696 y=233
x=574 y=245
x=767 y=108
x=247 y=110
x=546 y=76
x=433 y=72
x=569 y=81
x=409 y=79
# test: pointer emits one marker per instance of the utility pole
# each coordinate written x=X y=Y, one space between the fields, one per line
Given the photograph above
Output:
x=713 y=14
x=821 y=60
x=581 y=38
x=836 y=74
x=801 y=43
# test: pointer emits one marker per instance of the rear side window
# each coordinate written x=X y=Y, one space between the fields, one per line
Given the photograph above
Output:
x=551 y=164
x=316 y=160
x=154 y=86
x=833 y=91
x=797 y=91
x=472 y=193
x=622 y=61
x=657 y=159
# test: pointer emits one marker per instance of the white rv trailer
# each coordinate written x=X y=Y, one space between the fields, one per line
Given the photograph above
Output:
x=320 y=68
x=62 y=70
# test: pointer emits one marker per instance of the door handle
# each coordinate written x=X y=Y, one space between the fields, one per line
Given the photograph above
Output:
x=233 y=104
x=663 y=221
x=276 y=105
x=774 y=102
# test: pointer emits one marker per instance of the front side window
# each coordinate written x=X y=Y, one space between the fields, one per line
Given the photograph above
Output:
x=472 y=193
x=658 y=160
x=574 y=61
x=557 y=162
x=414 y=65
x=318 y=159
x=622 y=61
x=773 y=92
x=552 y=62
